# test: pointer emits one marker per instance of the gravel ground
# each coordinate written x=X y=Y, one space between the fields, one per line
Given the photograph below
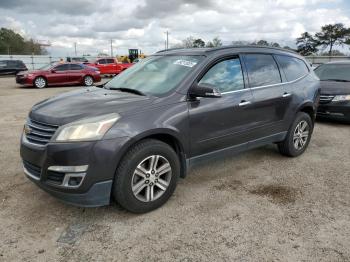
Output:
x=256 y=206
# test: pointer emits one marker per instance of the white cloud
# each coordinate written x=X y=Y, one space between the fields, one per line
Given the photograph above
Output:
x=142 y=23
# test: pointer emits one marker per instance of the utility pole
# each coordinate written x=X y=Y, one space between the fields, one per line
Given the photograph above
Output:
x=167 y=40
x=111 y=47
x=75 y=48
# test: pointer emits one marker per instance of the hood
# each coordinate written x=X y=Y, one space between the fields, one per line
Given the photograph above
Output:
x=335 y=88
x=24 y=72
x=75 y=105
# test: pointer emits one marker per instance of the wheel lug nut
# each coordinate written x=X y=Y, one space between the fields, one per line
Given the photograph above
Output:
x=152 y=172
x=151 y=184
x=147 y=175
x=146 y=181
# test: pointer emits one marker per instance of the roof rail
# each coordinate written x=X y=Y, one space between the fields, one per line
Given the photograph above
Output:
x=170 y=49
x=251 y=46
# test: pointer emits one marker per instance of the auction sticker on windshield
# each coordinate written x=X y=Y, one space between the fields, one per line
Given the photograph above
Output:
x=185 y=63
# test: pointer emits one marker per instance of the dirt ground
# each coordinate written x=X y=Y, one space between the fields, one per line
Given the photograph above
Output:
x=256 y=206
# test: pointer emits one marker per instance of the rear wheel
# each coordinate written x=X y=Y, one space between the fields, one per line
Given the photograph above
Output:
x=40 y=82
x=88 y=81
x=298 y=136
x=147 y=176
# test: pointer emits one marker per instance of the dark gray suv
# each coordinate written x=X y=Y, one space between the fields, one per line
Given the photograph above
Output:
x=132 y=138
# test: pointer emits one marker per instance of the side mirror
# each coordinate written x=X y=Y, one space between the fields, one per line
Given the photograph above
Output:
x=53 y=71
x=204 y=90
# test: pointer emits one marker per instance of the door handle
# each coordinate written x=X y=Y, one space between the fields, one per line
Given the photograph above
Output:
x=244 y=103
x=286 y=95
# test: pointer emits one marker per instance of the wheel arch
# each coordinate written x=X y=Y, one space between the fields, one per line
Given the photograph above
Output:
x=308 y=108
x=43 y=76
x=165 y=135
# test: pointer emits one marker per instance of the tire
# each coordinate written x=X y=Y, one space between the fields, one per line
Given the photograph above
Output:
x=40 y=82
x=298 y=136
x=134 y=179
x=88 y=81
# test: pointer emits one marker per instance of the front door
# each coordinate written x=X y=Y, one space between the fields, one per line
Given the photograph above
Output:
x=58 y=75
x=218 y=123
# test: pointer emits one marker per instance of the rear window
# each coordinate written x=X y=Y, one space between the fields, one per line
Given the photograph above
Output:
x=292 y=67
x=262 y=70
x=333 y=72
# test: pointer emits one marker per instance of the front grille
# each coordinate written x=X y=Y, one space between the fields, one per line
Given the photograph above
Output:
x=55 y=177
x=39 y=133
x=33 y=170
x=324 y=99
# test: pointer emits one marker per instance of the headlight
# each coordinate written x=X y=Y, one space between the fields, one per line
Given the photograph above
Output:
x=87 y=129
x=341 y=98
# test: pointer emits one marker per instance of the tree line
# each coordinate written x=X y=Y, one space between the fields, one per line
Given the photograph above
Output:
x=307 y=44
x=12 y=43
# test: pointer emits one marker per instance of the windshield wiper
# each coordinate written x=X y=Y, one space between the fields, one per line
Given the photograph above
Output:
x=128 y=90
x=336 y=80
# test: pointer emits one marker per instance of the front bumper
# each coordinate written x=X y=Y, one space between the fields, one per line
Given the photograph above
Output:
x=334 y=110
x=99 y=157
x=24 y=80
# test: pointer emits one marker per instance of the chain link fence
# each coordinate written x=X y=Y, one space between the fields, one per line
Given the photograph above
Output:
x=37 y=61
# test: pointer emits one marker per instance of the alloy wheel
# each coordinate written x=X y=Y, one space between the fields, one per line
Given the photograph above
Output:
x=301 y=135
x=88 y=81
x=40 y=82
x=151 y=178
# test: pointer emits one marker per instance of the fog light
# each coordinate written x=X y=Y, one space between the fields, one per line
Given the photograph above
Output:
x=73 y=180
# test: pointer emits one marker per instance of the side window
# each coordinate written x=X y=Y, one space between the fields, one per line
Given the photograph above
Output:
x=110 y=61
x=75 y=67
x=292 y=67
x=226 y=75
x=63 y=67
x=102 y=61
x=262 y=70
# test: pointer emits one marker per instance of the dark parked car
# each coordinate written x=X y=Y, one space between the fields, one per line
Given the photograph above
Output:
x=11 y=67
x=59 y=74
x=335 y=91
x=78 y=59
x=135 y=136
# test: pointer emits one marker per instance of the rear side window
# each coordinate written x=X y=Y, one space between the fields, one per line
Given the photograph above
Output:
x=226 y=76
x=3 y=64
x=292 y=67
x=75 y=67
x=110 y=61
x=262 y=70
x=102 y=61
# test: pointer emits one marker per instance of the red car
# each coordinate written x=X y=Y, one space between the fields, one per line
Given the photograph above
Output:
x=110 y=66
x=59 y=74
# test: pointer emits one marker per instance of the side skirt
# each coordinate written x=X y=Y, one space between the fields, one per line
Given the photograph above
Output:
x=233 y=150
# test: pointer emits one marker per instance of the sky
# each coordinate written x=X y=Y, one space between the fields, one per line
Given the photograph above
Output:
x=142 y=24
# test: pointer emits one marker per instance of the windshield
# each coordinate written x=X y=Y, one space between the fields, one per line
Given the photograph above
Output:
x=333 y=72
x=155 y=75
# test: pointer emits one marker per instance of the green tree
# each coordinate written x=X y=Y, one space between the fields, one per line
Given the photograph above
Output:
x=12 y=43
x=306 y=44
x=332 y=35
x=198 y=43
x=261 y=43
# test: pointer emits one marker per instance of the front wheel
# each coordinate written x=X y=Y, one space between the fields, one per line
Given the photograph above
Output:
x=88 y=81
x=147 y=176
x=40 y=82
x=298 y=136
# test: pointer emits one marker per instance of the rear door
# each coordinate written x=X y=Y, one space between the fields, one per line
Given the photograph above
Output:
x=217 y=123
x=271 y=98
x=76 y=73
x=59 y=75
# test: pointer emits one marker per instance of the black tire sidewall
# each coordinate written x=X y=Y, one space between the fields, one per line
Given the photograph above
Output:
x=122 y=190
x=300 y=117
